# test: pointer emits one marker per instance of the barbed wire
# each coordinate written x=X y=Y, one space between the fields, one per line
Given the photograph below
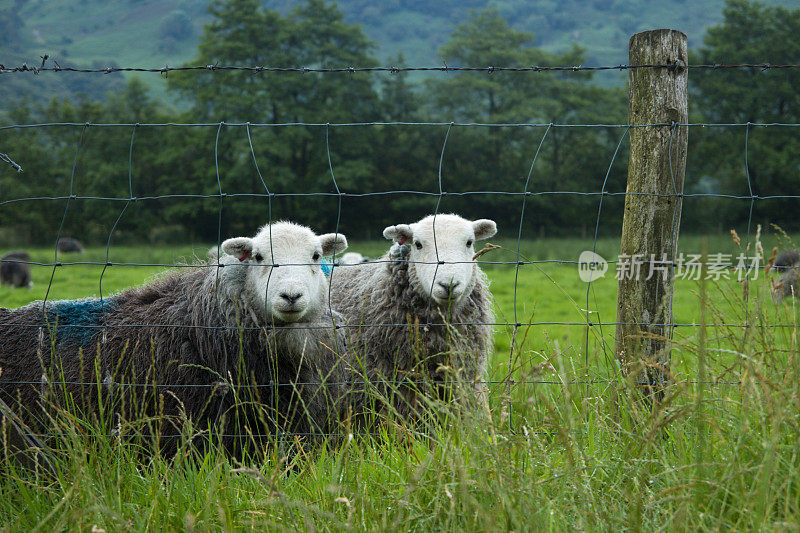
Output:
x=4 y=158
x=216 y=67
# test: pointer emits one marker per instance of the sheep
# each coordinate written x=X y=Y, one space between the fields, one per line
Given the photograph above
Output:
x=255 y=327
x=69 y=244
x=15 y=270
x=352 y=258
x=787 y=264
x=421 y=309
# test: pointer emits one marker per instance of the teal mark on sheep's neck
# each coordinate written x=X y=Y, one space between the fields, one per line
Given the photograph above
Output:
x=327 y=267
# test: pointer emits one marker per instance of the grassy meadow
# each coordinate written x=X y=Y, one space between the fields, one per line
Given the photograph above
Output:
x=548 y=452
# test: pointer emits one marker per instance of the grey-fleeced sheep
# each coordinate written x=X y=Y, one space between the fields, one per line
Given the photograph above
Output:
x=352 y=258
x=397 y=307
x=245 y=342
x=15 y=270
x=69 y=244
x=787 y=265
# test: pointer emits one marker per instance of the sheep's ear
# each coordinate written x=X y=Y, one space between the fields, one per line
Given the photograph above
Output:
x=399 y=233
x=333 y=243
x=484 y=228
x=238 y=247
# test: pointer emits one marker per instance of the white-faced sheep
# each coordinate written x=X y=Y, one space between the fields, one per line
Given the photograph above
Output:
x=15 y=269
x=204 y=339
x=421 y=311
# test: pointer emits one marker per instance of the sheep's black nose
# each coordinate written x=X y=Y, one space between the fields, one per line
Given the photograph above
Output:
x=291 y=298
x=449 y=287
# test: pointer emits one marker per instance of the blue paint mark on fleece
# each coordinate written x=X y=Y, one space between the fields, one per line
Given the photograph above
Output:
x=327 y=266
x=75 y=315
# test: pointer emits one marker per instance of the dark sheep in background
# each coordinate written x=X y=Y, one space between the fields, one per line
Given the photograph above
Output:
x=15 y=270
x=237 y=348
x=787 y=265
x=68 y=244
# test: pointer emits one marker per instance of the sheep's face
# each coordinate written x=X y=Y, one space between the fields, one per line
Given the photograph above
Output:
x=440 y=256
x=285 y=276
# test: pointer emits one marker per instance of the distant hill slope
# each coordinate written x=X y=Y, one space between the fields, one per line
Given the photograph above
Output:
x=153 y=33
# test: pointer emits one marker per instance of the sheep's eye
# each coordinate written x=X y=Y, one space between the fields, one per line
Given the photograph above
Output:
x=315 y=257
x=418 y=245
x=259 y=257
x=469 y=243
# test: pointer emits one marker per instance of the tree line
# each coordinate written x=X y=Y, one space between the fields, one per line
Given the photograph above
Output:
x=376 y=165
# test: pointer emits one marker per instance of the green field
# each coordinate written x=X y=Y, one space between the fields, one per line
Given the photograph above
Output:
x=550 y=454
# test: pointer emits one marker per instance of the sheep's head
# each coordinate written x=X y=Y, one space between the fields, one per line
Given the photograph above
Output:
x=284 y=276
x=440 y=255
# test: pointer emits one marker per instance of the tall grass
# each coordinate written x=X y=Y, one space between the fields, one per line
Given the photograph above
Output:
x=550 y=451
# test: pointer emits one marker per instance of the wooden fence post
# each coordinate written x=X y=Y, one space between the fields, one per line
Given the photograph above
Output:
x=652 y=205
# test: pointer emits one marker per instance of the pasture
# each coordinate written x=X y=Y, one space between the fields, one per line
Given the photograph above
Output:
x=567 y=445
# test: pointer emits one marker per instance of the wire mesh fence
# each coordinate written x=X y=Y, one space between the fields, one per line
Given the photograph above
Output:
x=45 y=329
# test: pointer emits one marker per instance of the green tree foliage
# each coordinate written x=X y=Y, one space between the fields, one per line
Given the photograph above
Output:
x=293 y=158
x=177 y=25
x=750 y=33
x=297 y=164
x=11 y=24
x=293 y=161
x=91 y=161
x=499 y=158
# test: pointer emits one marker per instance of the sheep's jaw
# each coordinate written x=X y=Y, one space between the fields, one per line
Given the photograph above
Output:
x=446 y=300
x=290 y=313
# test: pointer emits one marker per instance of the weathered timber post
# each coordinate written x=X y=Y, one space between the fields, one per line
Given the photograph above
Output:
x=656 y=95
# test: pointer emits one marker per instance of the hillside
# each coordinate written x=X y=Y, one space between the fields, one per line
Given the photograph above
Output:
x=154 y=33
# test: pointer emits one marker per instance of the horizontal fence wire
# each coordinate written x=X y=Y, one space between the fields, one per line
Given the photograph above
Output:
x=41 y=68
x=376 y=261
x=112 y=385
x=396 y=123
x=340 y=194
x=387 y=193
x=389 y=325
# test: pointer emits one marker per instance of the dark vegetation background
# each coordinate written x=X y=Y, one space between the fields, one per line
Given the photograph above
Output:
x=294 y=159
